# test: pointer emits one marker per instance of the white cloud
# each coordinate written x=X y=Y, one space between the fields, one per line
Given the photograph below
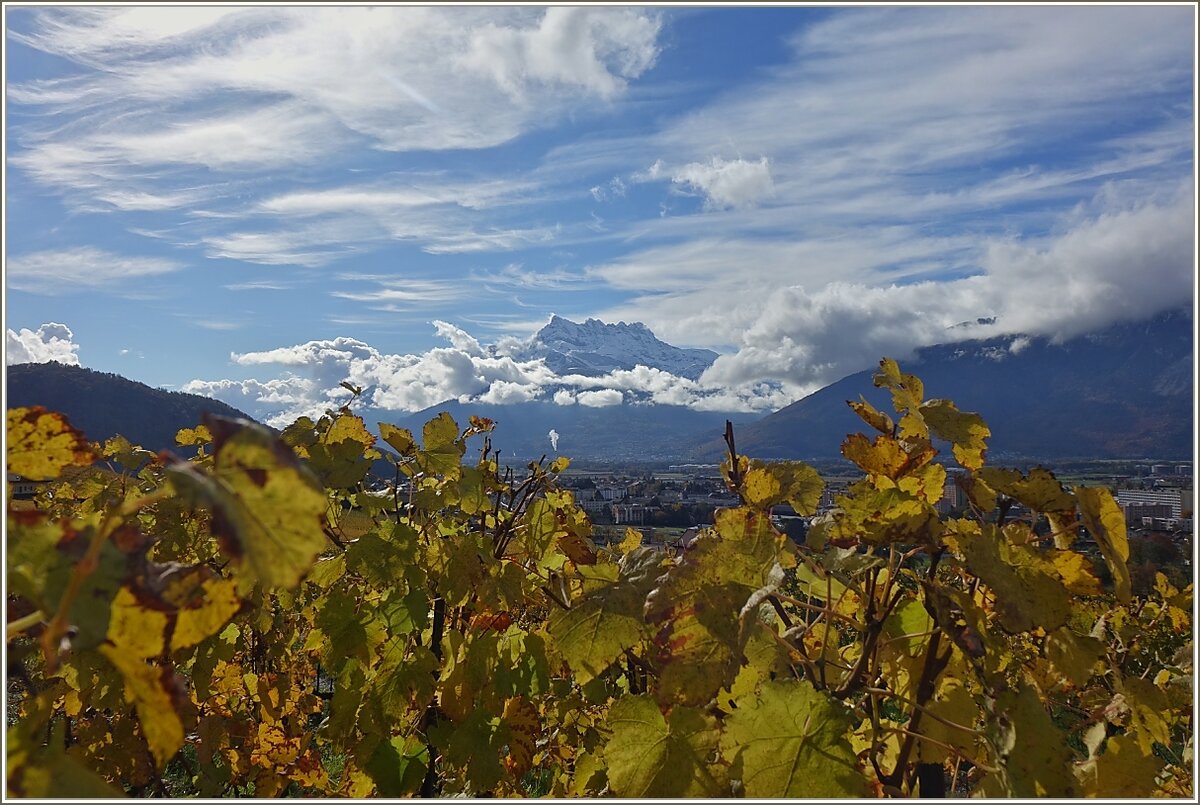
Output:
x=465 y=371
x=1122 y=265
x=235 y=90
x=59 y=271
x=600 y=399
x=733 y=183
x=571 y=47
x=50 y=342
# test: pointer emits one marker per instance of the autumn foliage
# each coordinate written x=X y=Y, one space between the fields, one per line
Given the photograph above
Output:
x=252 y=620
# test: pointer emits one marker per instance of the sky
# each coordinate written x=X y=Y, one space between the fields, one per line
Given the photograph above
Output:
x=257 y=203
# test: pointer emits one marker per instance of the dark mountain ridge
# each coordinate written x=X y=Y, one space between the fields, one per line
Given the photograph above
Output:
x=1125 y=392
x=103 y=405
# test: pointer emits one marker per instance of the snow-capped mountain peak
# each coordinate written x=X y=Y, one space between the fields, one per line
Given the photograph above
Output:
x=595 y=348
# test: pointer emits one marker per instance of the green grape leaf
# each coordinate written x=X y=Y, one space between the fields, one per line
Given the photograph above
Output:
x=398 y=766
x=1029 y=591
x=966 y=432
x=1033 y=753
x=907 y=626
x=871 y=415
x=300 y=435
x=268 y=511
x=792 y=741
x=652 y=756
x=473 y=746
x=696 y=605
x=41 y=444
x=1104 y=521
x=344 y=630
x=443 y=450
x=599 y=627
x=155 y=693
x=340 y=465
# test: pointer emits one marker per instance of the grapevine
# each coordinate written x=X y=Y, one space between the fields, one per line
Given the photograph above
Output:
x=248 y=616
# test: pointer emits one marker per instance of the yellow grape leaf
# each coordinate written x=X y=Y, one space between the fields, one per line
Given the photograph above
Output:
x=955 y=704
x=908 y=392
x=198 y=622
x=443 y=450
x=522 y=727
x=399 y=438
x=1039 y=490
x=1125 y=770
x=41 y=770
x=190 y=436
x=1029 y=592
x=1034 y=755
x=885 y=456
x=978 y=492
x=650 y=755
x=1073 y=655
x=792 y=741
x=1106 y=523
x=350 y=427
x=1075 y=569
x=633 y=539
x=760 y=488
x=966 y=432
x=41 y=443
x=794 y=482
x=1148 y=709
x=559 y=464
x=268 y=511
x=927 y=483
x=135 y=629
x=871 y=415
x=153 y=691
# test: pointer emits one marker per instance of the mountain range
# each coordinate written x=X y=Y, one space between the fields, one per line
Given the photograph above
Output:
x=1125 y=392
x=595 y=348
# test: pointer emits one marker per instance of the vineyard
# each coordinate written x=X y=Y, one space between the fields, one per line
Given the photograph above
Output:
x=253 y=620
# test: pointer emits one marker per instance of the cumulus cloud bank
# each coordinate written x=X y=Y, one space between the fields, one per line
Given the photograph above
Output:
x=50 y=342
x=466 y=371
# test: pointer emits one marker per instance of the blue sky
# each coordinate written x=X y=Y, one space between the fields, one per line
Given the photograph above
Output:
x=259 y=202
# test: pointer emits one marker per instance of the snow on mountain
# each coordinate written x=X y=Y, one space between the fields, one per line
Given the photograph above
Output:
x=595 y=348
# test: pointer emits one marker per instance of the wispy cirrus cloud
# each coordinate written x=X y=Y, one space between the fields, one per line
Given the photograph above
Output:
x=58 y=271
x=253 y=89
